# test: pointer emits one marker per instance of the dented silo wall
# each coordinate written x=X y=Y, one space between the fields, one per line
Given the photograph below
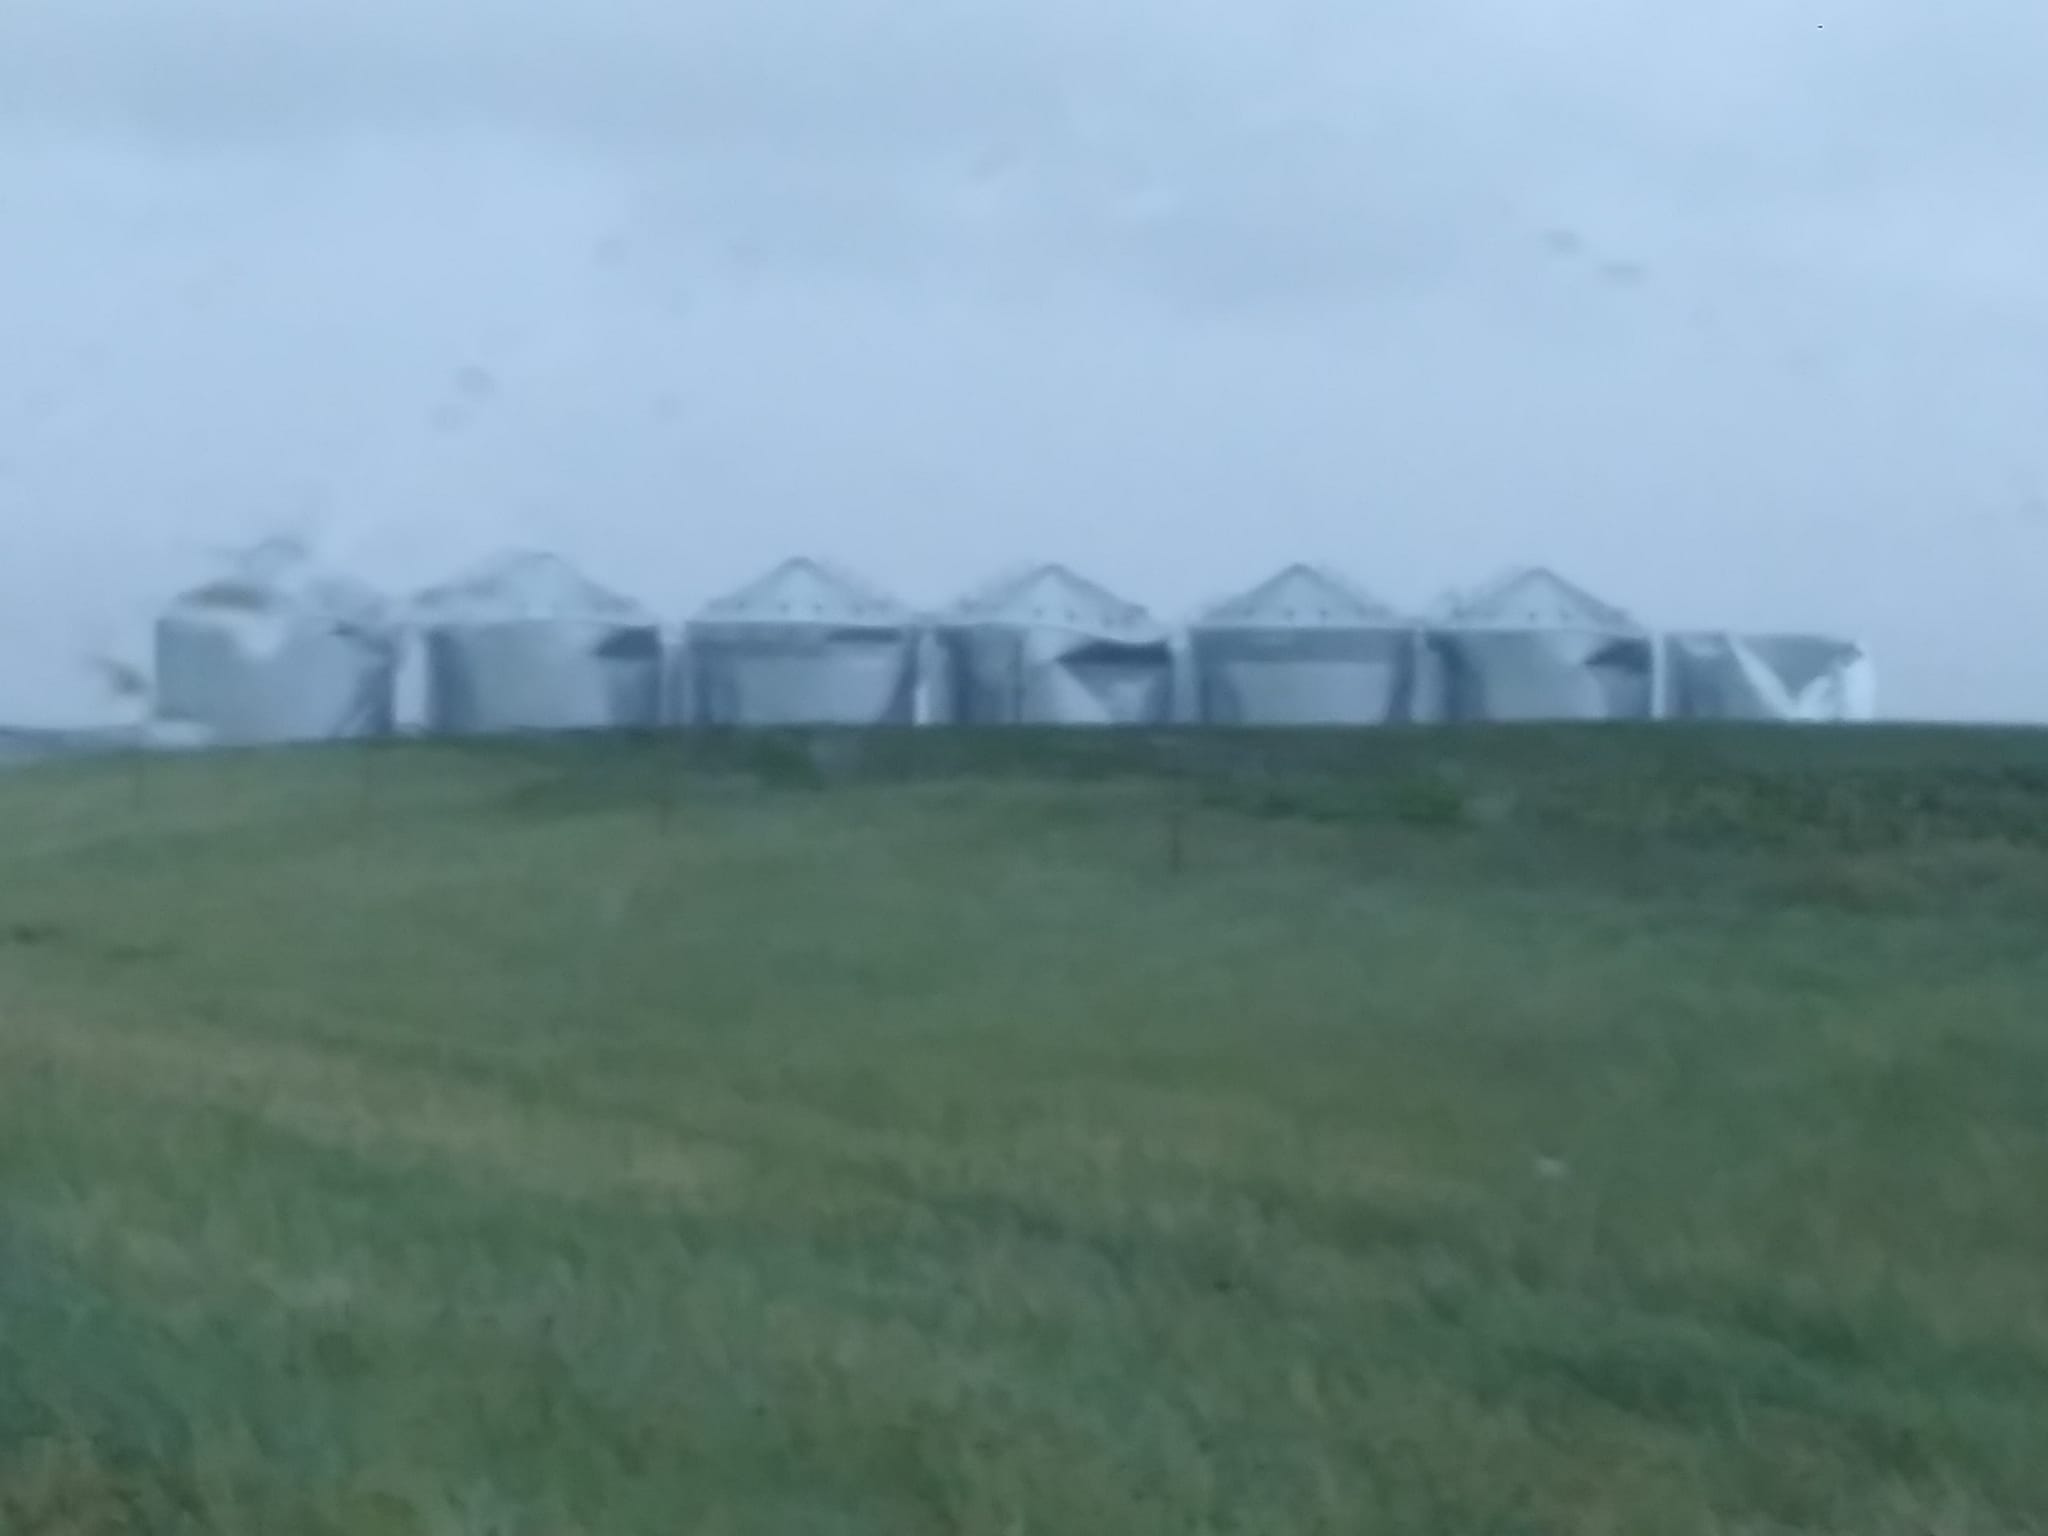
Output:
x=806 y=644
x=1048 y=647
x=1534 y=647
x=1304 y=647
x=1793 y=678
x=528 y=644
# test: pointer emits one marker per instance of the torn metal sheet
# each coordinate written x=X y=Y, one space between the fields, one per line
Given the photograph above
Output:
x=1804 y=678
x=1048 y=647
x=1534 y=675
x=1532 y=646
x=276 y=650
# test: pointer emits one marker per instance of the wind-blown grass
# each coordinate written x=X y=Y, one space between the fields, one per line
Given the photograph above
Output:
x=1467 y=1133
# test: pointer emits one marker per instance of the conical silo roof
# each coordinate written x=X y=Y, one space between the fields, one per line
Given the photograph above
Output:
x=1535 y=597
x=526 y=585
x=807 y=591
x=1301 y=596
x=1052 y=596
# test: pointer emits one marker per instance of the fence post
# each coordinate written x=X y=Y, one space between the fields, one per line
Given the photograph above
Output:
x=1179 y=804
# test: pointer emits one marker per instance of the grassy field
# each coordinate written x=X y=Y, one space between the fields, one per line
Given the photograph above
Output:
x=1491 y=1134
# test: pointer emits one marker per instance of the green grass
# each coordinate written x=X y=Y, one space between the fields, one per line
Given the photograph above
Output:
x=1519 y=1132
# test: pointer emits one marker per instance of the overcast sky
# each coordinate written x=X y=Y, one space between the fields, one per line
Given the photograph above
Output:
x=1736 y=312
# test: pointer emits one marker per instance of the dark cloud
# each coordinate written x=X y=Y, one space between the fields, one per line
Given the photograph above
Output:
x=1219 y=150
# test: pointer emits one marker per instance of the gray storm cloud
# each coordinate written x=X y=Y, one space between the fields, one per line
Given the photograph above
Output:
x=1287 y=147
x=1735 y=313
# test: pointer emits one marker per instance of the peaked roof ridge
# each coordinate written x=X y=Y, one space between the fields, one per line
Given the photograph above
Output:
x=1015 y=585
x=527 y=582
x=1336 y=597
x=850 y=592
x=1486 y=604
x=1004 y=584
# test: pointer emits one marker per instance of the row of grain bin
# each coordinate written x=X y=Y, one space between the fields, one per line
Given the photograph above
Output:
x=277 y=650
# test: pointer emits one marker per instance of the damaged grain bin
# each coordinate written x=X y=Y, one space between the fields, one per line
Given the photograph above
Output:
x=1793 y=678
x=806 y=644
x=1047 y=647
x=276 y=650
x=1533 y=646
x=1304 y=647
x=527 y=643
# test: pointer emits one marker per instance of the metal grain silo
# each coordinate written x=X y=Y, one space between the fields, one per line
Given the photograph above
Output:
x=276 y=650
x=1304 y=647
x=1722 y=676
x=806 y=644
x=1533 y=646
x=1048 y=647
x=527 y=643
